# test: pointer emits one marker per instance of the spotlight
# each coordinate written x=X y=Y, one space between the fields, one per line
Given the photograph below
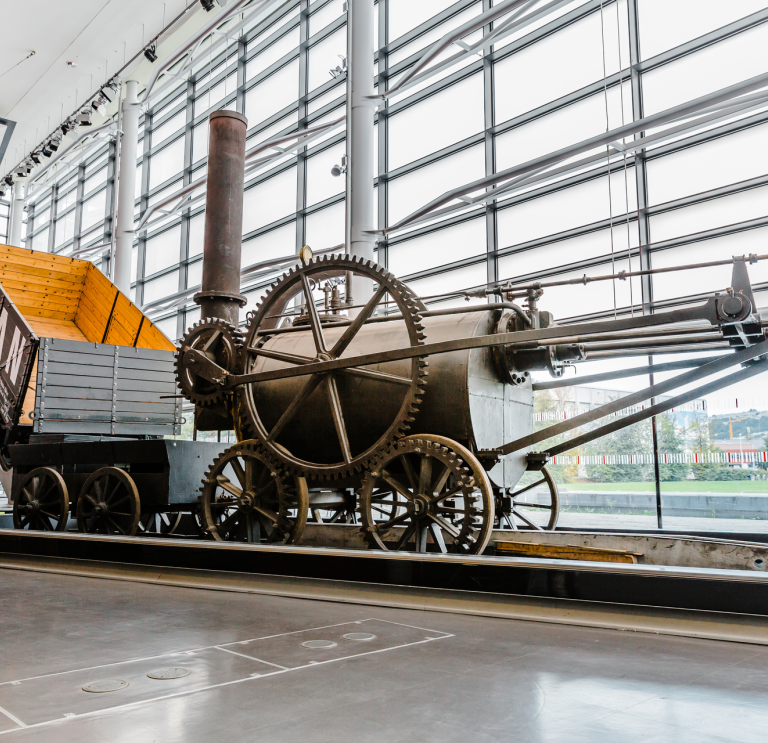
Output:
x=100 y=104
x=84 y=117
x=35 y=157
x=8 y=180
x=2 y=192
x=338 y=170
x=150 y=54
x=47 y=151
x=207 y=5
x=108 y=94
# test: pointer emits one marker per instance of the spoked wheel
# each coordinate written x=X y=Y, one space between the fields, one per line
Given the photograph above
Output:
x=159 y=523
x=42 y=501
x=431 y=494
x=520 y=508
x=109 y=503
x=245 y=499
x=314 y=425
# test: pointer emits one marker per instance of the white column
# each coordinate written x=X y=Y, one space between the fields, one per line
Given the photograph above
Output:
x=126 y=189
x=17 y=213
x=360 y=138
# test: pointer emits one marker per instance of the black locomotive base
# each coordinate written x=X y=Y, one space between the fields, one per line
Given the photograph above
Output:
x=732 y=591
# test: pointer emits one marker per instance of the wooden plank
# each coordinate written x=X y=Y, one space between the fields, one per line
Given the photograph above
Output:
x=52 y=299
x=151 y=337
x=87 y=326
x=45 y=327
x=566 y=552
x=38 y=312
x=99 y=289
x=22 y=283
x=40 y=258
x=39 y=275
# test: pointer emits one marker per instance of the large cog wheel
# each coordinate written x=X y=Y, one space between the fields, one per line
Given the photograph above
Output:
x=311 y=425
x=222 y=343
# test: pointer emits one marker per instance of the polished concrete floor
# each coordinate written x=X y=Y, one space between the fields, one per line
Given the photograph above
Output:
x=422 y=676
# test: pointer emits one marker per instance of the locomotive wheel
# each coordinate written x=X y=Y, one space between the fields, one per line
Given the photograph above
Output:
x=246 y=499
x=159 y=523
x=109 y=503
x=329 y=392
x=42 y=501
x=432 y=493
x=511 y=507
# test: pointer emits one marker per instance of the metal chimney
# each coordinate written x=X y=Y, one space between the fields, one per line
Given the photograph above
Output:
x=220 y=296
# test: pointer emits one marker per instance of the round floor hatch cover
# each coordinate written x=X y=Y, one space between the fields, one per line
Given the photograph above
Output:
x=99 y=687
x=318 y=644
x=166 y=674
x=360 y=636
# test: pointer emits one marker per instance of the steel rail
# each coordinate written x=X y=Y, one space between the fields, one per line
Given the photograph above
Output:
x=654 y=390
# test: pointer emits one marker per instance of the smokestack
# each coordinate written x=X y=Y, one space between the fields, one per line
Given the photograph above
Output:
x=220 y=296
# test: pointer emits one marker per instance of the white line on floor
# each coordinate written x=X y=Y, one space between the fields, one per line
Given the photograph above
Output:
x=12 y=717
x=191 y=650
x=250 y=657
x=177 y=694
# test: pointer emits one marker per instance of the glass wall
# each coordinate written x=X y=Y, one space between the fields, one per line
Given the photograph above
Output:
x=586 y=68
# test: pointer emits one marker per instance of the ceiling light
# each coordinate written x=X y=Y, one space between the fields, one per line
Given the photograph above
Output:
x=35 y=157
x=100 y=104
x=149 y=53
x=8 y=180
x=2 y=192
x=207 y=5
x=84 y=117
x=47 y=151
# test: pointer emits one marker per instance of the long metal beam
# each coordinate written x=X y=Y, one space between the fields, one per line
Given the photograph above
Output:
x=186 y=196
x=707 y=311
x=670 y=115
x=637 y=371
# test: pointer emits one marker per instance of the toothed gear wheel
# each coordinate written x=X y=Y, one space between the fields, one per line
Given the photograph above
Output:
x=222 y=343
x=245 y=499
x=331 y=425
x=420 y=496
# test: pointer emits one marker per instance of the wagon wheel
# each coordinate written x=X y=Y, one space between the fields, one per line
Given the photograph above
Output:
x=159 y=523
x=109 y=503
x=246 y=499
x=42 y=501
x=511 y=507
x=441 y=499
x=333 y=334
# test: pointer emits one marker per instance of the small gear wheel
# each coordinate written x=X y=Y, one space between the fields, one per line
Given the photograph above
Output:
x=222 y=343
x=317 y=425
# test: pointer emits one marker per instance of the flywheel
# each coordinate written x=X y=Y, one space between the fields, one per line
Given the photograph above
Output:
x=332 y=424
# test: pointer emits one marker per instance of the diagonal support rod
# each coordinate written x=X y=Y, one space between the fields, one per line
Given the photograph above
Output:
x=714 y=386
x=654 y=390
